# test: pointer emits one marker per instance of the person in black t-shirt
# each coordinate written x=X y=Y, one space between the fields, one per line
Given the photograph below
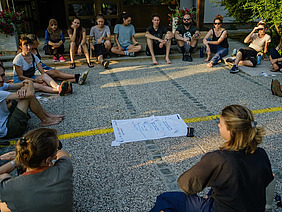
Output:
x=187 y=36
x=156 y=45
x=238 y=172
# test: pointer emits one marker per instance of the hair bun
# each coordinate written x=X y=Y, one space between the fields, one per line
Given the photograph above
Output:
x=219 y=17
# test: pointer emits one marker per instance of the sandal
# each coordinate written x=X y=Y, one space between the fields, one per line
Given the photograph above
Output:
x=72 y=65
x=90 y=65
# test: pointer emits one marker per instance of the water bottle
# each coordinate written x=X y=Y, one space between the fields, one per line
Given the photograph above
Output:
x=201 y=52
x=234 y=52
x=259 y=59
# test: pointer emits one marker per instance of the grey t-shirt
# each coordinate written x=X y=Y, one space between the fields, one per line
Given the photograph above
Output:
x=20 y=61
x=124 y=34
x=97 y=33
x=49 y=190
x=259 y=43
x=4 y=112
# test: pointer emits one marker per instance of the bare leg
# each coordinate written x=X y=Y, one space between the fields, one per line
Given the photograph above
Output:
x=4 y=207
x=132 y=48
x=208 y=53
x=86 y=53
x=238 y=58
x=107 y=44
x=151 y=48
x=38 y=110
x=44 y=88
x=100 y=58
x=246 y=63
x=46 y=78
x=167 y=46
x=59 y=75
x=72 y=51
x=116 y=50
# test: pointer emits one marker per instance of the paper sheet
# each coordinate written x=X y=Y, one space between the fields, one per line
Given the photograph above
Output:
x=153 y=127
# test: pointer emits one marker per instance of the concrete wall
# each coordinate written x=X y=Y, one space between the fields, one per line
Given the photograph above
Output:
x=188 y=3
x=211 y=10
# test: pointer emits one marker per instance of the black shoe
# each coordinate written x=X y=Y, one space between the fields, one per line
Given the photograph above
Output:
x=189 y=58
x=105 y=63
x=234 y=69
x=184 y=58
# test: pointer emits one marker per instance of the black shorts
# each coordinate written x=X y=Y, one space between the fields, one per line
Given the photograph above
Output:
x=249 y=54
x=157 y=49
x=99 y=49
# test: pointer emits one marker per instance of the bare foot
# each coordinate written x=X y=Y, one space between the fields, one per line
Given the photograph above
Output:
x=210 y=65
x=155 y=62
x=54 y=115
x=51 y=121
x=168 y=61
x=208 y=59
x=161 y=45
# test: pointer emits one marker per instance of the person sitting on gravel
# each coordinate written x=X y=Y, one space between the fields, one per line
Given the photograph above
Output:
x=25 y=64
x=248 y=56
x=238 y=173
x=276 y=57
x=187 y=36
x=124 y=33
x=54 y=73
x=158 y=40
x=102 y=40
x=14 y=107
x=54 y=41
x=218 y=44
x=77 y=35
x=47 y=183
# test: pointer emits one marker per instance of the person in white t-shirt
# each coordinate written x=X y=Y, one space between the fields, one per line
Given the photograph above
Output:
x=102 y=40
x=258 y=42
x=14 y=107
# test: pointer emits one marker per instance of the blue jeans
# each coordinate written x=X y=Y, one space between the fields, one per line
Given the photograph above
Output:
x=180 y=202
x=219 y=52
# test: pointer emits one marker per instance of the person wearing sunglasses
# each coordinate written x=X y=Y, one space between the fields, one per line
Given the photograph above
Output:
x=217 y=44
x=259 y=41
x=187 y=36
x=47 y=182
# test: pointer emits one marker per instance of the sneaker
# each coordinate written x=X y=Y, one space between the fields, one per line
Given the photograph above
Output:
x=189 y=58
x=105 y=64
x=63 y=88
x=62 y=59
x=234 y=69
x=83 y=77
x=131 y=54
x=55 y=59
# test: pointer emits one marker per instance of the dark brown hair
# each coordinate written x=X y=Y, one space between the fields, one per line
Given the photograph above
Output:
x=36 y=146
x=244 y=134
x=218 y=17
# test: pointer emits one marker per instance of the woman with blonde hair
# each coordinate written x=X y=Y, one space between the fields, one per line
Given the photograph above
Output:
x=218 y=44
x=238 y=173
x=54 y=41
x=47 y=183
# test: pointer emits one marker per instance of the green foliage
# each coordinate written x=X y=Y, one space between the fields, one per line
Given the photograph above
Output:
x=249 y=10
x=11 y=21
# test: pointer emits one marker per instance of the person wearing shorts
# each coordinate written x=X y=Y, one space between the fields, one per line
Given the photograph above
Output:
x=124 y=33
x=14 y=106
x=156 y=45
x=102 y=40
x=258 y=42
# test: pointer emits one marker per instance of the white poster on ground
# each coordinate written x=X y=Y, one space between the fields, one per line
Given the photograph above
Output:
x=149 y=128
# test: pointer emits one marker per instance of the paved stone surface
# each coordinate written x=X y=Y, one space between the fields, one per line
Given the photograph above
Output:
x=129 y=177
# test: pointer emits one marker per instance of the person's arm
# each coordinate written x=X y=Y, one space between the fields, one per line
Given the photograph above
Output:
x=180 y=37
x=8 y=167
x=207 y=36
x=90 y=42
x=265 y=49
x=249 y=39
x=197 y=35
x=72 y=36
x=26 y=91
x=83 y=41
x=222 y=37
x=152 y=37
x=116 y=40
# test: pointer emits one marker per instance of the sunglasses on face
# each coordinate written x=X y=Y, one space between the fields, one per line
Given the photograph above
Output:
x=216 y=23
x=186 y=19
x=53 y=24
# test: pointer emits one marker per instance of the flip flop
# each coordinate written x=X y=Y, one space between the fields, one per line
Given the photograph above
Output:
x=72 y=65
x=90 y=65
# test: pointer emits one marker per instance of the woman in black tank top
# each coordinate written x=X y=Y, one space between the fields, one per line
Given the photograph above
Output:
x=217 y=44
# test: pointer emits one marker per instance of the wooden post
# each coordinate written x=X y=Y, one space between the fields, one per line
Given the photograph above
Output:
x=200 y=13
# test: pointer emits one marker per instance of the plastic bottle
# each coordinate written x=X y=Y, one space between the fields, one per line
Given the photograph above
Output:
x=269 y=193
x=234 y=52
x=201 y=52
x=259 y=59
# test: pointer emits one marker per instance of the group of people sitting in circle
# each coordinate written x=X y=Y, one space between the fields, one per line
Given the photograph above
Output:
x=238 y=172
x=45 y=182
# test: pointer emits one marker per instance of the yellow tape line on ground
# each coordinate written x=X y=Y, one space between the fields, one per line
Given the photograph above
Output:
x=190 y=120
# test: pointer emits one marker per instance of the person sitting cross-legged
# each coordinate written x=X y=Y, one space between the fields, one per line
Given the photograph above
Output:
x=14 y=107
x=156 y=44
x=124 y=33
